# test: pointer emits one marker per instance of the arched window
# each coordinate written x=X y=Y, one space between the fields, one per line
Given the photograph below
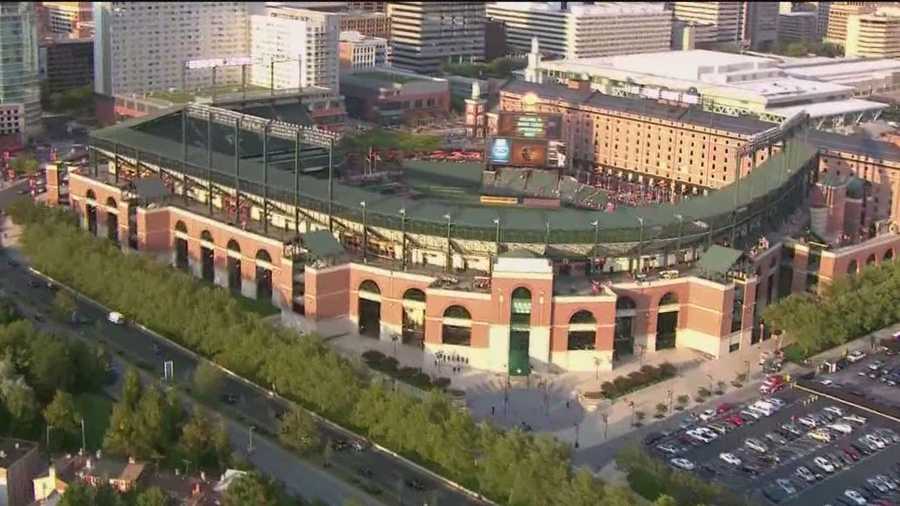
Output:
x=457 y=326
x=263 y=255
x=234 y=246
x=206 y=236
x=111 y=202
x=370 y=287
x=521 y=293
x=582 y=331
x=852 y=267
x=888 y=255
x=180 y=227
x=871 y=260
x=668 y=298
x=625 y=304
x=90 y=195
x=414 y=294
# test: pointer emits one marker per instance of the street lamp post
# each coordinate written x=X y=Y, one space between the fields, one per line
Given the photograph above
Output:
x=596 y=224
x=496 y=242
x=669 y=395
x=403 y=235
x=449 y=252
x=640 y=245
x=395 y=338
x=605 y=417
x=250 y=444
x=83 y=438
x=576 y=434
x=631 y=405
x=365 y=231
x=678 y=256
x=747 y=363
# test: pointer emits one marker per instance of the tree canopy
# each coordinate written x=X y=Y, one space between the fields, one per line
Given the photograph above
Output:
x=508 y=466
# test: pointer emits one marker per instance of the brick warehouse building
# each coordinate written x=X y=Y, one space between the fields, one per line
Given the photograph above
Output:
x=513 y=289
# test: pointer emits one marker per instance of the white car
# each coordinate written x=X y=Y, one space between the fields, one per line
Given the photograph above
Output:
x=843 y=428
x=834 y=410
x=891 y=484
x=888 y=435
x=116 y=318
x=807 y=421
x=855 y=497
x=786 y=485
x=805 y=474
x=855 y=419
x=669 y=449
x=875 y=440
x=756 y=445
x=706 y=431
x=699 y=436
x=730 y=458
x=824 y=464
x=707 y=415
x=681 y=463
x=775 y=401
x=856 y=356
x=826 y=382
x=878 y=485
x=752 y=414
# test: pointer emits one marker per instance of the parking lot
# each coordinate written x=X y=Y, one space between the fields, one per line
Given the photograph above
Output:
x=875 y=377
x=841 y=448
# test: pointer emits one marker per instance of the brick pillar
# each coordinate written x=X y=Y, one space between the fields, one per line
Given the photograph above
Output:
x=52 y=184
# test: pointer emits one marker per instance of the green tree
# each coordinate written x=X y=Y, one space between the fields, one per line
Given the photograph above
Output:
x=207 y=380
x=665 y=500
x=8 y=312
x=77 y=494
x=249 y=489
x=50 y=368
x=202 y=441
x=61 y=413
x=298 y=431
x=24 y=165
x=153 y=496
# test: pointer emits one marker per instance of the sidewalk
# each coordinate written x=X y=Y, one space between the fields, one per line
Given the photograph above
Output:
x=549 y=403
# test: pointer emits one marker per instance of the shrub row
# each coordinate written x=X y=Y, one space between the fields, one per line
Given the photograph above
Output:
x=510 y=467
x=411 y=375
x=646 y=376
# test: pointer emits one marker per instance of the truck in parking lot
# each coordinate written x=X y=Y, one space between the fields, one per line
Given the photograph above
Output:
x=772 y=384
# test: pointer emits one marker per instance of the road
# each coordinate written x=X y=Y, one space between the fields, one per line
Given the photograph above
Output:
x=254 y=407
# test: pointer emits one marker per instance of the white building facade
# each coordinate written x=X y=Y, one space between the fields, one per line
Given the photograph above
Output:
x=302 y=43
x=585 y=31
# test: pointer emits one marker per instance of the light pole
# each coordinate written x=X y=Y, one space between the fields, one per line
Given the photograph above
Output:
x=641 y=347
x=49 y=427
x=576 y=434
x=747 y=363
x=403 y=235
x=449 y=253
x=669 y=398
x=631 y=405
x=597 y=365
x=250 y=433
x=605 y=417
x=395 y=338
x=496 y=241
x=678 y=256
x=596 y=224
x=187 y=466
x=83 y=438
x=365 y=231
x=640 y=244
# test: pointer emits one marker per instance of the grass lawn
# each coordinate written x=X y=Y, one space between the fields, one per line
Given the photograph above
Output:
x=260 y=307
x=96 y=409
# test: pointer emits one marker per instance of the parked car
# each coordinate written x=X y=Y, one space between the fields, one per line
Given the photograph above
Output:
x=776 y=439
x=669 y=449
x=852 y=453
x=786 y=485
x=730 y=458
x=836 y=411
x=856 y=356
x=750 y=414
x=718 y=427
x=415 y=484
x=652 y=438
x=792 y=429
x=756 y=445
x=724 y=408
x=855 y=419
x=805 y=474
x=682 y=463
x=821 y=435
x=843 y=428
x=876 y=365
x=807 y=421
x=877 y=441
x=878 y=485
x=708 y=415
x=855 y=497
x=824 y=464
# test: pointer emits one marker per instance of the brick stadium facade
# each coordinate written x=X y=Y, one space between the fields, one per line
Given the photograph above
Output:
x=519 y=310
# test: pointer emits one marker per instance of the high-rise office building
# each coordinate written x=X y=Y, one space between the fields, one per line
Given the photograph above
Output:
x=725 y=18
x=875 y=35
x=838 y=15
x=20 y=95
x=798 y=26
x=759 y=25
x=585 y=31
x=294 y=38
x=146 y=46
x=426 y=34
x=68 y=19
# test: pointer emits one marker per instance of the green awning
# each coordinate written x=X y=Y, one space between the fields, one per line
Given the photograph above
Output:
x=719 y=259
x=321 y=244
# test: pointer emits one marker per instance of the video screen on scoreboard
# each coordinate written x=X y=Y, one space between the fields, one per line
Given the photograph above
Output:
x=530 y=125
x=518 y=152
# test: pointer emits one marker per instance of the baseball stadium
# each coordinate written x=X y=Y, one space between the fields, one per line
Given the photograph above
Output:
x=560 y=251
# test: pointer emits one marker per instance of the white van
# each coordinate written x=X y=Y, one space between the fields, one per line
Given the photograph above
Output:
x=116 y=318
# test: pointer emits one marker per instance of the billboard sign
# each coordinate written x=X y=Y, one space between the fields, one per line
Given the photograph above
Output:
x=500 y=151
x=530 y=125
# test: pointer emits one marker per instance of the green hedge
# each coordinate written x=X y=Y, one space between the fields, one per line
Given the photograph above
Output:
x=646 y=376
x=509 y=467
x=847 y=309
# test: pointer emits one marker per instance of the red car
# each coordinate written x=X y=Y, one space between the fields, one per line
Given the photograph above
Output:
x=735 y=420
x=724 y=408
x=853 y=454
